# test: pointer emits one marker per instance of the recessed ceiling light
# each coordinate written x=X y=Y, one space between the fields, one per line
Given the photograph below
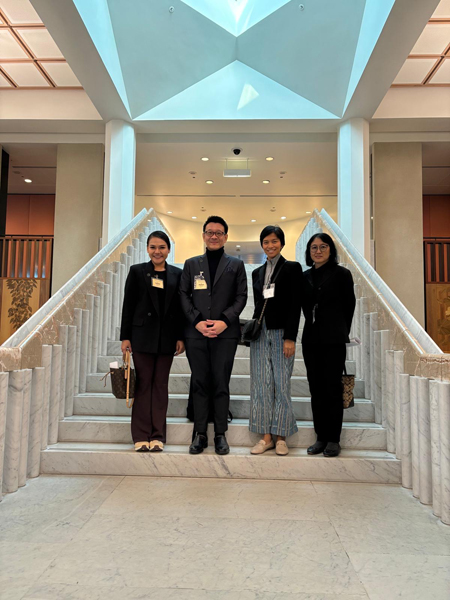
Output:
x=169 y=212
x=193 y=217
x=205 y=158
x=209 y=181
x=266 y=181
x=308 y=212
x=269 y=158
x=28 y=180
x=253 y=221
x=283 y=218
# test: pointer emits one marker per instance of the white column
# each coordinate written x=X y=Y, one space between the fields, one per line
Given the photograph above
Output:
x=353 y=183
x=120 y=164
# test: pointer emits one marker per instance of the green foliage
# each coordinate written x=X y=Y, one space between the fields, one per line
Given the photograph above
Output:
x=21 y=292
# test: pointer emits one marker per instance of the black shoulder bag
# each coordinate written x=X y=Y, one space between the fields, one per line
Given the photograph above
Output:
x=252 y=329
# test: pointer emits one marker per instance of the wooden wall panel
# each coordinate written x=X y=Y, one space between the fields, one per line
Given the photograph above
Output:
x=436 y=216
x=30 y=215
x=438 y=314
x=17 y=215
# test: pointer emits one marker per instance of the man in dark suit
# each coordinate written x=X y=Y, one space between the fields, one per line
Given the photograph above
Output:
x=213 y=291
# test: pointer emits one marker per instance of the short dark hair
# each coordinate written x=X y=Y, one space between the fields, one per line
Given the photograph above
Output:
x=161 y=235
x=268 y=230
x=326 y=239
x=215 y=219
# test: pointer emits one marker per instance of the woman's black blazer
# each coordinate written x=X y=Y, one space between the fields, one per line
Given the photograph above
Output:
x=335 y=299
x=142 y=322
x=282 y=311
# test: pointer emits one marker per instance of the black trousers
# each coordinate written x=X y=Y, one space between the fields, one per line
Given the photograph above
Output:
x=211 y=362
x=151 y=398
x=324 y=369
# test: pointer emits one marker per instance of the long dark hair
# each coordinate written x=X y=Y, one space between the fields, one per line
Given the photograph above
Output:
x=326 y=239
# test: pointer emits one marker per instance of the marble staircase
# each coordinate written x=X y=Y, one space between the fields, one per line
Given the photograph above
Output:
x=96 y=438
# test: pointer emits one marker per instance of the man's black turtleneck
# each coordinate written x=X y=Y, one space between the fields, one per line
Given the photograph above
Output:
x=214 y=257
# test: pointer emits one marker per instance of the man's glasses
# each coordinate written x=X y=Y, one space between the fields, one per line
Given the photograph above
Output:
x=322 y=248
x=218 y=234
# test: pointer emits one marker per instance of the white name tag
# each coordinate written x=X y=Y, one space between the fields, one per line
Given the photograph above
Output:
x=200 y=282
x=157 y=283
x=269 y=292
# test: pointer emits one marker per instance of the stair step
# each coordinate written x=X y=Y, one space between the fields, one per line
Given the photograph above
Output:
x=239 y=384
x=364 y=466
x=107 y=404
x=241 y=365
x=363 y=436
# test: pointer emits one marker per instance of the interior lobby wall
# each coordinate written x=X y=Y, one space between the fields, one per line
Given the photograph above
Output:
x=78 y=208
x=398 y=221
x=30 y=214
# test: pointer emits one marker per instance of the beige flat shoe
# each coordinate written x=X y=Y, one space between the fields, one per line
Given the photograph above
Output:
x=156 y=446
x=262 y=447
x=281 y=448
x=141 y=447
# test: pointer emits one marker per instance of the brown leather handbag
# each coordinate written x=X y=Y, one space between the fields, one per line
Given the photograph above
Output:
x=123 y=381
x=348 y=384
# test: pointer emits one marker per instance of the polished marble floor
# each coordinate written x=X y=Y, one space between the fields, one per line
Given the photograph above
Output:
x=136 y=538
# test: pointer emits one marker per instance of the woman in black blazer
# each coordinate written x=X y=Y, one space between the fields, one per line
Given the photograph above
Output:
x=328 y=306
x=152 y=328
x=272 y=355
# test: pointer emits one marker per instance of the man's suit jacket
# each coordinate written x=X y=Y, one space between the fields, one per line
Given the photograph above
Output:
x=335 y=299
x=142 y=322
x=282 y=311
x=226 y=298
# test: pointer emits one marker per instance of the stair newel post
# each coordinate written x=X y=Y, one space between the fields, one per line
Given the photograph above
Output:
x=47 y=365
x=4 y=378
x=363 y=309
x=122 y=278
x=116 y=296
x=95 y=334
x=425 y=482
x=63 y=332
x=137 y=250
x=444 y=436
x=378 y=376
x=130 y=257
x=399 y=368
x=77 y=320
x=106 y=310
x=415 y=455
x=70 y=369
x=90 y=308
x=84 y=350
x=142 y=246
x=101 y=294
x=405 y=406
x=373 y=326
x=55 y=394
x=366 y=357
x=435 y=446
x=13 y=431
x=384 y=346
x=25 y=427
x=357 y=330
x=37 y=403
x=109 y=280
x=390 y=401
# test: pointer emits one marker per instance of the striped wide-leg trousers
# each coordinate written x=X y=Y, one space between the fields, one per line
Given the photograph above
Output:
x=270 y=388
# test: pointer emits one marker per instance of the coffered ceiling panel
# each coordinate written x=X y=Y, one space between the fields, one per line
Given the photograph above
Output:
x=20 y=11
x=442 y=74
x=9 y=48
x=40 y=43
x=4 y=83
x=414 y=70
x=25 y=74
x=61 y=74
x=443 y=10
x=434 y=39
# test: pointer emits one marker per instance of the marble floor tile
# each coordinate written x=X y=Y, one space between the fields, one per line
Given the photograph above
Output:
x=77 y=592
x=245 y=499
x=52 y=509
x=212 y=554
x=390 y=577
x=14 y=588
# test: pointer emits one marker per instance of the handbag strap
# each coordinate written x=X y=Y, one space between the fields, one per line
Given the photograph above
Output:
x=127 y=377
x=267 y=299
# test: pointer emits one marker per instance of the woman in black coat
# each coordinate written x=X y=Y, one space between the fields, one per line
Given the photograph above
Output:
x=152 y=329
x=272 y=355
x=328 y=306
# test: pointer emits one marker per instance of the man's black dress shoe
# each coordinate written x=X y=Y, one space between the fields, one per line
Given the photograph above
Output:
x=199 y=443
x=317 y=448
x=221 y=444
x=332 y=449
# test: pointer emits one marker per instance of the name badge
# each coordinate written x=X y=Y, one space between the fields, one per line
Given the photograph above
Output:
x=269 y=292
x=200 y=282
x=157 y=283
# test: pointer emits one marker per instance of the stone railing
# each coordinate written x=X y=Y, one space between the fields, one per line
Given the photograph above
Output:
x=406 y=375
x=46 y=362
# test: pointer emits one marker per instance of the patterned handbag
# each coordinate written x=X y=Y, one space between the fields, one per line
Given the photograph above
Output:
x=123 y=381
x=348 y=384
